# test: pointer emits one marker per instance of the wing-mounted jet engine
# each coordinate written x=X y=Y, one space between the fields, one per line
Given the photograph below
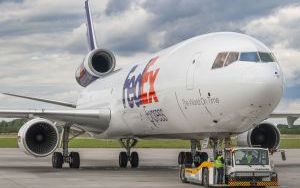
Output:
x=38 y=137
x=265 y=135
x=97 y=63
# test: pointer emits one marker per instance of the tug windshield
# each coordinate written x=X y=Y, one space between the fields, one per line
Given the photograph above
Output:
x=251 y=157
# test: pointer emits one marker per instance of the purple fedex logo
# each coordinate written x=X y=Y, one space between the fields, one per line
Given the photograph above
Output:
x=135 y=92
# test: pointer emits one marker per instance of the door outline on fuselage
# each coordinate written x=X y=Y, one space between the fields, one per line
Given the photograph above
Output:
x=190 y=75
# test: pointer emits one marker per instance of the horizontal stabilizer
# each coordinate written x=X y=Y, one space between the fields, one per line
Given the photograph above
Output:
x=43 y=100
x=290 y=116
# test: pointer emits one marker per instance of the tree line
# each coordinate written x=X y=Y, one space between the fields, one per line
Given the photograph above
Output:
x=285 y=130
x=15 y=125
x=11 y=126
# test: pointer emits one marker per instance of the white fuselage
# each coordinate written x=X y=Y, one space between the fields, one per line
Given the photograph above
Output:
x=175 y=93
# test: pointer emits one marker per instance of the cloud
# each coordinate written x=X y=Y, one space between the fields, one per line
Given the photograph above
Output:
x=276 y=27
x=183 y=19
x=118 y=6
x=43 y=41
x=280 y=31
x=11 y=1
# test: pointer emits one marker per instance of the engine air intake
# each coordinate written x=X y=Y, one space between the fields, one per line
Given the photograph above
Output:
x=41 y=138
x=96 y=64
x=38 y=137
x=265 y=135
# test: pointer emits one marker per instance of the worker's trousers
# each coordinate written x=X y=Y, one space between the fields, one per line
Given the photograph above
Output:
x=220 y=174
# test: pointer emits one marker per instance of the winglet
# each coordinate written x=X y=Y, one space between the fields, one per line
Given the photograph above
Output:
x=91 y=38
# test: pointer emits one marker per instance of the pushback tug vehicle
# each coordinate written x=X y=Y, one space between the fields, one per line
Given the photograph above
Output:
x=243 y=167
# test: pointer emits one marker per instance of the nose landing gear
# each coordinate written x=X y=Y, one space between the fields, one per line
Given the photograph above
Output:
x=194 y=157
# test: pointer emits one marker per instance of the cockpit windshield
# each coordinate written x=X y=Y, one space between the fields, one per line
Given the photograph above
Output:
x=251 y=157
x=224 y=59
x=249 y=56
x=266 y=57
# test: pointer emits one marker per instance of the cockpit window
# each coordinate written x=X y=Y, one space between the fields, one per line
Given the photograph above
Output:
x=232 y=57
x=249 y=56
x=266 y=57
x=224 y=59
x=219 y=61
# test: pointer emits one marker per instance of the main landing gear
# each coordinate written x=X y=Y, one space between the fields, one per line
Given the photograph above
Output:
x=73 y=158
x=128 y=156
x=194 y=157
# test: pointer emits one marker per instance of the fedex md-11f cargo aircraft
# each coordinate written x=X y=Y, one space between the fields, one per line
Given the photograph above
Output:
x=212 y=86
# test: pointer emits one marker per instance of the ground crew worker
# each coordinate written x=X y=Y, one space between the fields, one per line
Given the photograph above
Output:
x=249 y=157
x=219 y=165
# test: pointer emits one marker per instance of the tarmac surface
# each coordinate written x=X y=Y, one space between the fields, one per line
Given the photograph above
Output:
x=99 y=168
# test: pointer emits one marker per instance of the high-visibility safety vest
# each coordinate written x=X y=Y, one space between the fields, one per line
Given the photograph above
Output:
x=218 y=162
x=249 y=158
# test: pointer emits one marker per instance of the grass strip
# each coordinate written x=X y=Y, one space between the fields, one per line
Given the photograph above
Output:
x=289 y=143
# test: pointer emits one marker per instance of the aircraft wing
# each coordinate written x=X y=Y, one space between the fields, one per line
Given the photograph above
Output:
x=98 y=118
x=290 y=116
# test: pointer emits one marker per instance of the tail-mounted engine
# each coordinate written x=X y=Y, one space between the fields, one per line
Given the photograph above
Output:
x=265 y=135
x=96 y=64
x=38 y=137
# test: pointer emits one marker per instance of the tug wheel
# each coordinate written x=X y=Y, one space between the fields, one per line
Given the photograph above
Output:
x=205 y=177
x=182 y=174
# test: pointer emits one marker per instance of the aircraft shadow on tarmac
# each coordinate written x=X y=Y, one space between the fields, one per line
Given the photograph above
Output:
x=49 y=169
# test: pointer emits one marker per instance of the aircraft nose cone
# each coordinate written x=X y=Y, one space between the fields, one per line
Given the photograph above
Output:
x=272 y=84
x=267 y=83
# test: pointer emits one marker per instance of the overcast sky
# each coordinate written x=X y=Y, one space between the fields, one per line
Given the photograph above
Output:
x=43 y=41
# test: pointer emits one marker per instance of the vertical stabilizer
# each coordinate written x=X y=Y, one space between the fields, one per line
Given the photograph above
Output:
x=91 y=38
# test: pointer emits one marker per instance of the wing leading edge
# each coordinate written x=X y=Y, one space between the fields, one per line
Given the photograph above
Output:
x=94 y=120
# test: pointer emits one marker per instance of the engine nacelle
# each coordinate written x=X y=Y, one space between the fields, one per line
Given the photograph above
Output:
x=265 y=135
x=96 y=64
x=38 y=137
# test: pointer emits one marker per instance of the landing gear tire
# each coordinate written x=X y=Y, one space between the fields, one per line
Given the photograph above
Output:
x=200 y=158
x=185 y=158
x=57 y=160
x=123 y=159
x=134 y=159
x=181 y=158
x=74 y=160
x=205 y=177
x=188 y=159
x=203 y=156
x=182 y=174
x=197 y=159
x=128 y=156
